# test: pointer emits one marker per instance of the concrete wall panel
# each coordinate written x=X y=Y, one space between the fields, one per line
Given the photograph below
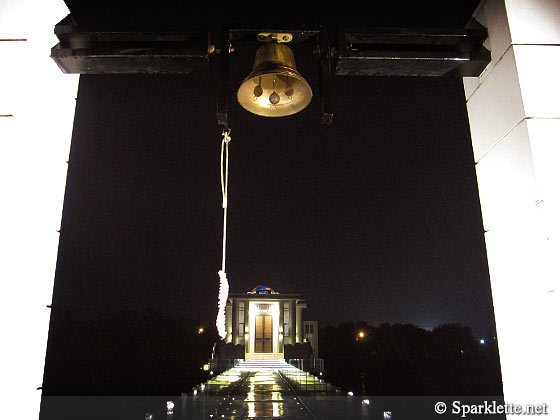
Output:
x=496 y=106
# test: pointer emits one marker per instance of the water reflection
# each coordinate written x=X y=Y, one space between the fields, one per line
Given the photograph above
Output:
x=265 y=409
x=265 y=396
x=252 y=394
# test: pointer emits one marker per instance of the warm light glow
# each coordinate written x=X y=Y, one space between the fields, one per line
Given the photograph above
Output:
x=277 y=396
x=273 y=310
x=206 y=367
x=361 y=334
x=277 y=409
x=200 y=330
x=252 y=411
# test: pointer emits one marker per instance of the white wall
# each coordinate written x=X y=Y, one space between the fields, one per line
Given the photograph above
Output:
x=34 y=147
x=514 y=115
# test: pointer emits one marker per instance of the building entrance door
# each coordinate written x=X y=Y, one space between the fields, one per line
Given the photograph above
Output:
x=263 y=334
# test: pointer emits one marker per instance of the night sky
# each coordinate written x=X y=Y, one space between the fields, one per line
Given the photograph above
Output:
x=375 y=217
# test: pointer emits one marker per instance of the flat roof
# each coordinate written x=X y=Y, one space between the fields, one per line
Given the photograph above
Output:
x=265 y=295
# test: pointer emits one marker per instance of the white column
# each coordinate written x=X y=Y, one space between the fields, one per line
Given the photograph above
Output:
x=229 y=323
x=514 y=114
x=275 y=312
x=299 y=323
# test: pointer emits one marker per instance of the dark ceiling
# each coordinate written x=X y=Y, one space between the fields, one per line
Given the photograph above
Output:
x=410 y=14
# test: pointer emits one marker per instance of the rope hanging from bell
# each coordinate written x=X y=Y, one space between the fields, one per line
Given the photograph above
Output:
x=224 y=286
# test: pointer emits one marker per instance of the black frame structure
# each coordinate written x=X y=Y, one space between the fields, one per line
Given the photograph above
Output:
x=340 y=50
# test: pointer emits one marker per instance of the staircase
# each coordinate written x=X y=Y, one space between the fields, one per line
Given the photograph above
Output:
x=262 y=365
x=264 y=356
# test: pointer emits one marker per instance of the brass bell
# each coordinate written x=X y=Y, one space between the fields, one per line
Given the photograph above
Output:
x=274 y=88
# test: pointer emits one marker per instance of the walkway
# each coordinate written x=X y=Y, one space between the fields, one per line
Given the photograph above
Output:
x=266 y=390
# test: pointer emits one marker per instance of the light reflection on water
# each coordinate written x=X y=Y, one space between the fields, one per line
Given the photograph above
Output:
x=264 y=398
x=265 y=409
x=265 y=393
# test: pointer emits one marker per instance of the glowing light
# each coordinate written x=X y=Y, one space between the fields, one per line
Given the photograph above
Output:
x=387 y=415
x=482 y=341
x=252 y=411
x=350 y=393
x=366 y=402
x=170 y=406
x=200 y=330
x=361 y=334
x=206 y=367
x=222 y=300
x=277 y=410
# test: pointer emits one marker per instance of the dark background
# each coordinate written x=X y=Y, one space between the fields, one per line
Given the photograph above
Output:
x=374 y=218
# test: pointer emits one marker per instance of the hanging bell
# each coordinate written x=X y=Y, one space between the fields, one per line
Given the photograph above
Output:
x=274 y=88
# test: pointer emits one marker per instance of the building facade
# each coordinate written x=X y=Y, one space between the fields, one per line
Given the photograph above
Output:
x=264 y=321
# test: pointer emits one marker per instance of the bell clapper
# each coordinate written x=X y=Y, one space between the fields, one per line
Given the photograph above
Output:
x=258 y=91
x=289 y=89
x=274 y=98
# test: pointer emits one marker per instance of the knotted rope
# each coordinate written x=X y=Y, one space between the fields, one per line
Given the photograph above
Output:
x=224 y=286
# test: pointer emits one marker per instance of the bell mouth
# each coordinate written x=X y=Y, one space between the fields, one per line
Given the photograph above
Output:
x=274 y=91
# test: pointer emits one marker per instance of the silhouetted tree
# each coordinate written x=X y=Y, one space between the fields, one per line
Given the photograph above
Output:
x=405 y=360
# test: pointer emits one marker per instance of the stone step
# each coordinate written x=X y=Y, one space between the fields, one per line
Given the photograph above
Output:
x=260 y=365
x=264 y=356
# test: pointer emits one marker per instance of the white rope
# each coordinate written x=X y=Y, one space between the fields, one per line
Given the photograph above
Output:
x=224 y=286
x=224 y=180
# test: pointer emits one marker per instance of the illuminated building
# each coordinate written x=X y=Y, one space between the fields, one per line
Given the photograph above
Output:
x=263 y=321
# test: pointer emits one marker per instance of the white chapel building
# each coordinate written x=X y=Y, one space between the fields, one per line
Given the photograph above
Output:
x=263 y=321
